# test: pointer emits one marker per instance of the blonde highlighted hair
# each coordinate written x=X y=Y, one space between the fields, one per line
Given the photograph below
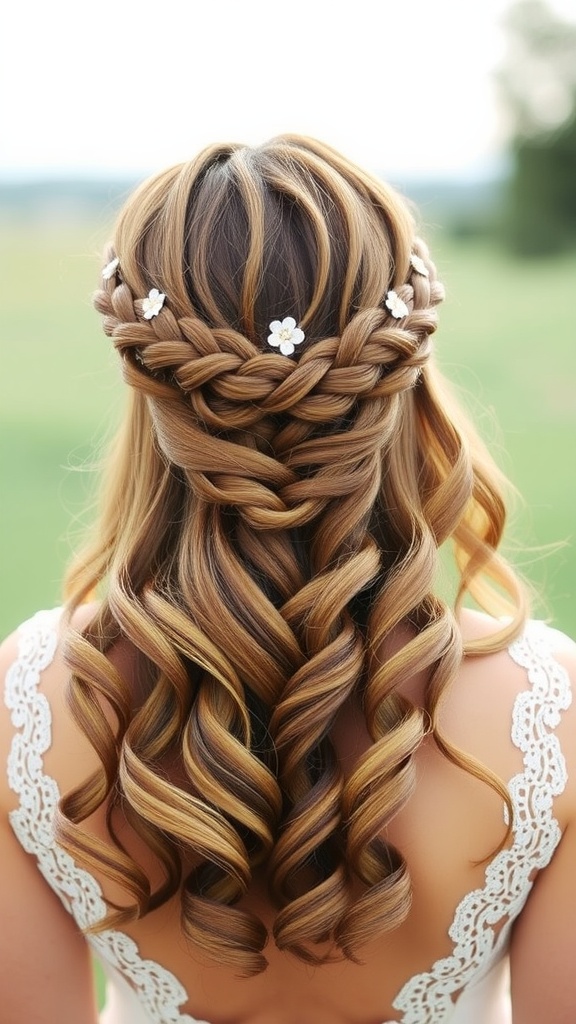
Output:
x=268 y=524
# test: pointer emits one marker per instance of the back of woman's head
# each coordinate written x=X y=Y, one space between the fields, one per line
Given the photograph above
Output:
x=238 y=235
x=274 y=515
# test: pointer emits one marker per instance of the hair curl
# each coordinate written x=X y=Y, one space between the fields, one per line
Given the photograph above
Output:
x=268 y=523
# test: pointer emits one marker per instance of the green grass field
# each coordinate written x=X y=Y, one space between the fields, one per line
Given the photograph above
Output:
x=507 y=337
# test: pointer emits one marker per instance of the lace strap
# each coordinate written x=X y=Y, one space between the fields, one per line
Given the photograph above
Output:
x=536 y=834
x=159 y=991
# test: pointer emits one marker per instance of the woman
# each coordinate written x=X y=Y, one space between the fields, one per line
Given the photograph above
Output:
x=297 y=784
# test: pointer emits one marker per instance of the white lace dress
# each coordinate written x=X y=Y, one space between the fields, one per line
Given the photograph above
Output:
x=467 y=987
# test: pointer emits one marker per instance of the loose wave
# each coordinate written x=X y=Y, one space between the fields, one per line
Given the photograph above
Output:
x=268 y=524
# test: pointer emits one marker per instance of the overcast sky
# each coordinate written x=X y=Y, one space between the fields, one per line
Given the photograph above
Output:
x=128 y=87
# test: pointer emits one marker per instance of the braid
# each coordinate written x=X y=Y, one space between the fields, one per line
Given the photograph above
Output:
x=299 y=508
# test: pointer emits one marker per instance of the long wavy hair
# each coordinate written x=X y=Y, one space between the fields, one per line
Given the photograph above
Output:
x=268 y=523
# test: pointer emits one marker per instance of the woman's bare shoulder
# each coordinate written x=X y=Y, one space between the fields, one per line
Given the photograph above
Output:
x=47 y=630
x=28 y=656
x=36 y=646
x=476 y=625
x=490 y=684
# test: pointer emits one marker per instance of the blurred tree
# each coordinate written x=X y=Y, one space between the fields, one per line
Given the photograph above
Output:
x=538 y=86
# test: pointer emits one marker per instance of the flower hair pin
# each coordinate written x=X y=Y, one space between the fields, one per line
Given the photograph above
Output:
x=285 y=335
x=396 y=305
x=111 y=268
x=152 y=304
x=419 y=265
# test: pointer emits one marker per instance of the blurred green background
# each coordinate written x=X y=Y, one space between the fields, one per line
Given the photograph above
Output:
x=506 y=337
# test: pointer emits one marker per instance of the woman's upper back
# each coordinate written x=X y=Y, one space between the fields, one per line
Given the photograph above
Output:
x=508 y=710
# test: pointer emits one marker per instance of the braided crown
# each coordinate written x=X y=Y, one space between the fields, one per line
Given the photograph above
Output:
x=231 y=383
x=221 y=381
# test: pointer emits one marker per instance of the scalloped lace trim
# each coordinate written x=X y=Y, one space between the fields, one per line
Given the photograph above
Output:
x=477 y=945
x=159 y=991
x=425 y=997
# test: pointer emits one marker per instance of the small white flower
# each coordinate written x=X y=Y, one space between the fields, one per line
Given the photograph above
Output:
x=111 y=268
x=396 y=305
x=153 y=303
x=285 y=335
x=419 y=265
